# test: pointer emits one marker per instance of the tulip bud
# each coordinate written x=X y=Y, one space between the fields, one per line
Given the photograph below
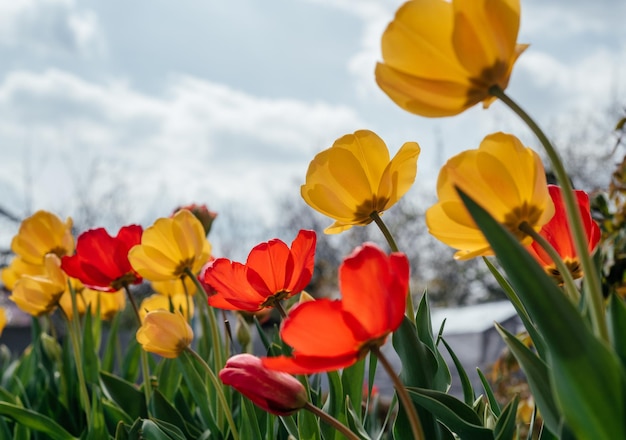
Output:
x=164 y=333
x=276 y=392
x=202 y=213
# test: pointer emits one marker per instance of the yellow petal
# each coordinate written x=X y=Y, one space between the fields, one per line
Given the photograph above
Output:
x=399 y=174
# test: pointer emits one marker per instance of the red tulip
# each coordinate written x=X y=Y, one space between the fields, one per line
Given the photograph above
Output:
x=101 y=261
x=558 y=234
x=331 y=334
x=275 y=392
x=272 y=272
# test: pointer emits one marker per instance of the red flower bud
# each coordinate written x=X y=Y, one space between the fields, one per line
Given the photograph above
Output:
x=276 y=392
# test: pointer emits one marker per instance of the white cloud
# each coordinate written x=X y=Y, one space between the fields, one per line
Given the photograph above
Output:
x=50 y=26
x=198 y=141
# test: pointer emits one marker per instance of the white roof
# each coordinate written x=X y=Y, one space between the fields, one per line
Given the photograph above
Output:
x=471 y=319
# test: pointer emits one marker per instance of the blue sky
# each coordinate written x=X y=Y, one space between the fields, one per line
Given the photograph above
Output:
x=162 y=103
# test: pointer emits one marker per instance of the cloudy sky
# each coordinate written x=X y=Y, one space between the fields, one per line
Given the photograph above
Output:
x=148 y=104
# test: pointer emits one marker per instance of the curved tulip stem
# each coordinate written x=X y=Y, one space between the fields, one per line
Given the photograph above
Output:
x=214 y=330
x=331 y=421
x=281 y=310
x=219 y=389
x=145 y=367
x=593 y=289
x=410 y=311
x=568 y=282
x=403 y=395
x=74 y=330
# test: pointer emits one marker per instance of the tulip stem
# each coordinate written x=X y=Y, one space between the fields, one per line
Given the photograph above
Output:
x=591 y=278
x=145 y=368
x=331 y=421
x=74 y=329
x=410 y=311
x=215 y=338
x=218 y=388
x=403 y=395
x=568 y=282
x=281 y=310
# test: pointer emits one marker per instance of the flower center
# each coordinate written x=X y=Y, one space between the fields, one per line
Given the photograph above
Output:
x=520 y=214
x=278 y=296
x=572 y=264
x=184 y=264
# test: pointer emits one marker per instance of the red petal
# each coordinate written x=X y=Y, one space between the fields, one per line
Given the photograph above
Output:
x=308 y=364
x=319 y=328
x=374 y=289
x=272 y=266
x=303 y=253
x=229 y=280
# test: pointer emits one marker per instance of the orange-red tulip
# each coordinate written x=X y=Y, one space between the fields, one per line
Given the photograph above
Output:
x=558 y=234
x=272 y=272
x=329 y=334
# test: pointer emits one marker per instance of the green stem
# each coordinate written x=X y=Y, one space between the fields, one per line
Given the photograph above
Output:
x=331 y=421
x=410 y=311
x=591 y=279
x=215 y=335
x=568 y=282
x=281 y=310
x=403 y=395
x=220 y=391
x=74 y=328
x=145 y=367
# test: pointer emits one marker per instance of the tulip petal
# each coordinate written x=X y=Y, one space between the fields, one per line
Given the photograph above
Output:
x=318 y=327
x=399 y=175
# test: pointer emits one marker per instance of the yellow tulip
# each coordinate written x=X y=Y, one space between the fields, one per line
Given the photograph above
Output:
x=505 y=178
x=171 y=246
x=38 y=295
x=110 y=302
x=3 y=319
x=174 y=287
x=441 y=57
x=164 y=333
x=355 y=178
x=17 y=268
x=41 y=234
x=178 y=302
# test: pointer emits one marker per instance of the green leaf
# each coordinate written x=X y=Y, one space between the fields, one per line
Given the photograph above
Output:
x=352 y=379
x=617 y=326
x=35 y=421
x=308 y=426
x=506 y=424
x=519 y=308
x=588 y=378
x=158 y=430
x=441 y=379
x=130 y=363
x=125 y=395
x=468 y=392
x=249 y=425
x=416 y=374
x=334 y=405
x=197 y=387
x=165 y=411
x=112 y=345
x=354 y=420
x=91 y=361
x=169 y=378
x=493 y=402
x=459 y=417
x=538 y=376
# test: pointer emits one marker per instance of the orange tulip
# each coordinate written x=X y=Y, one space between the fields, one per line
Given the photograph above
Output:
x=272 y=272
x=329 y=334
x=558 y=234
